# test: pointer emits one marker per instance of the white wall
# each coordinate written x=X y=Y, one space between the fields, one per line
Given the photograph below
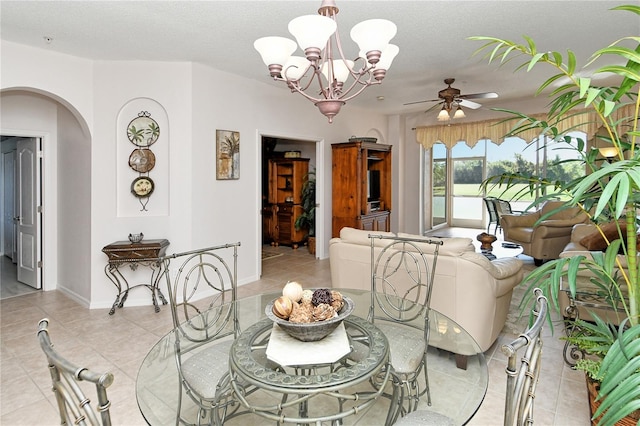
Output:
x=74 y=204
x=198 y=100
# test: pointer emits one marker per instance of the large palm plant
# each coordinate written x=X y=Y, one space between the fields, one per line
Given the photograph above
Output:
x=609 y=191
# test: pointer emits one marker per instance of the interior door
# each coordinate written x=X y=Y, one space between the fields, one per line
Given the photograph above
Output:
x=28 y=216
x=9 y=205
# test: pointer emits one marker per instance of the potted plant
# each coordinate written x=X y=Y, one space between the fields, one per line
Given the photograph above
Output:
x=307 y=220
x=610 y=191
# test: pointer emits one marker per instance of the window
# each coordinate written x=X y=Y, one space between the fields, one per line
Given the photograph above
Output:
x=469 y=166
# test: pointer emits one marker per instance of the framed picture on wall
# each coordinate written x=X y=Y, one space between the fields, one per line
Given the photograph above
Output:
x=227 y=154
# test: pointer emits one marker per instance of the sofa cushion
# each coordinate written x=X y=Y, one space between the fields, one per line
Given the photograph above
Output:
x=524 y=234
x=595 y=240
x=450 y=246
x=361 y=237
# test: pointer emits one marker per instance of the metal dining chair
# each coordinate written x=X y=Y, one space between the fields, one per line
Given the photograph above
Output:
x=490 y=203
x=402 y=271
x=74 y=406
x=521 y=380
x=523 y=369
x=202 y=298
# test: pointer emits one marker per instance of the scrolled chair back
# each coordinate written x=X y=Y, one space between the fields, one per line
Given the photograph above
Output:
x=402 y=276
x=201 y=293
x=523 y=370
x=74 y=406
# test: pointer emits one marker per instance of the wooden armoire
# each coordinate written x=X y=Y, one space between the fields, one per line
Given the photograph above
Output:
x=284 y=197
x=361 y=186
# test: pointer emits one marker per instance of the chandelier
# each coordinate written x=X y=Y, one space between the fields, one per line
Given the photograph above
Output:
x=337 y=79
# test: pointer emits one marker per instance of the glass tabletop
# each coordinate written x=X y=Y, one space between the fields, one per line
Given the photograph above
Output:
x=456 y=393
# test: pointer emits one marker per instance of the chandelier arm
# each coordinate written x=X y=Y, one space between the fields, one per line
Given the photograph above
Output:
x=358 y=79
x=296 y=88
x=348 y=98
x=366 y=69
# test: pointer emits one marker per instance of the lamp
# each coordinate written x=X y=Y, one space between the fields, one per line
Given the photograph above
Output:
x=318 y=37
x=608 y=152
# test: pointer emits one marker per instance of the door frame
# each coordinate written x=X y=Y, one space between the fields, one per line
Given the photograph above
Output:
x=321 y=242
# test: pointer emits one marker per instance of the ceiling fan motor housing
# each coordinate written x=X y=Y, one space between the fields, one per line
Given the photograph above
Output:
x=450 y=93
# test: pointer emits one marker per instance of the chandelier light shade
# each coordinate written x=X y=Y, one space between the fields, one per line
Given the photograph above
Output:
x=324 y=63
x=275 y=51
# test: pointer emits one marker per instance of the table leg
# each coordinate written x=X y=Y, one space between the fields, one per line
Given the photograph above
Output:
x=157 y=272
x=571 y=352
x=111 y=271
x=461 y=361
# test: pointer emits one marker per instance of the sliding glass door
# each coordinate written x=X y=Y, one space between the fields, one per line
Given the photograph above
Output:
x=439 y=186
x=467 y=206
x=453 y=184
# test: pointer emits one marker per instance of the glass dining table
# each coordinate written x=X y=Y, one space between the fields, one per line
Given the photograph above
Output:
x=348 y=390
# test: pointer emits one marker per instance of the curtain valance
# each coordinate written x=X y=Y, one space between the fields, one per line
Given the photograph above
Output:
x=497 y=131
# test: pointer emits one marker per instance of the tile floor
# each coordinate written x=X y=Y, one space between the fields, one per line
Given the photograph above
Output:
x=118 y=344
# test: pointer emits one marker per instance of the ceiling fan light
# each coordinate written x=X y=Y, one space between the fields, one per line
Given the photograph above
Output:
x=443 y=115
x=459 y=113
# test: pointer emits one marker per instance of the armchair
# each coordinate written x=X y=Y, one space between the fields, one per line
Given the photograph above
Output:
x=544 y=239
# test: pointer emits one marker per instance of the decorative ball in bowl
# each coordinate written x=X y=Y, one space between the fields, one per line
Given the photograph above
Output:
x=136 y=238
x=311 y=331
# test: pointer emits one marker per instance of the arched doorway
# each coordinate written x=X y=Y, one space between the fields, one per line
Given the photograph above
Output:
x=65 y=181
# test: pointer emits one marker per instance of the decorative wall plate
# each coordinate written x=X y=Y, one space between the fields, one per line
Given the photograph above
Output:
x=142 y=186
x=143 y=130
x=142 y=160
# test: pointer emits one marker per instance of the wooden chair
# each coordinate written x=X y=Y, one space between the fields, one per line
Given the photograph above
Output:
x=523 y=369
x=74 y=407
x=401 y=281
x=202 y=298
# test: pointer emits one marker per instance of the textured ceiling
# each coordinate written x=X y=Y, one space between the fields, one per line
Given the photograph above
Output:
x=432 y=36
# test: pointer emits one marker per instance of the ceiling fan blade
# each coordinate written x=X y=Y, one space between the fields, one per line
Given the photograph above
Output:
x=469 y=104
x=434 y=106
x=420 y=102
x=487 y=95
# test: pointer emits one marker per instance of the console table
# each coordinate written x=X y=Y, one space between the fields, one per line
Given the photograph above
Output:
x=144 y=253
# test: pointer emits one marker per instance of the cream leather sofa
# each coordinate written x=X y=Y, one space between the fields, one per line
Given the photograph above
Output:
x=468 y=288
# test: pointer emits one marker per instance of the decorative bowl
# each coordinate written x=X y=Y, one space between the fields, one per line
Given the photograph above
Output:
x=136 y=238
x=362 y=139
x=312 y=331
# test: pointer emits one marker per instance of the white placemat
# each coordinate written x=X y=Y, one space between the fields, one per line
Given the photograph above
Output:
x=287 y=350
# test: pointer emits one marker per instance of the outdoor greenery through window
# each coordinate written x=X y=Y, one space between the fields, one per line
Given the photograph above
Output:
x=469 y=166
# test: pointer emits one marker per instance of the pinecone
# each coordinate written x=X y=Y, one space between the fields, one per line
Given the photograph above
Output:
x=321 y=295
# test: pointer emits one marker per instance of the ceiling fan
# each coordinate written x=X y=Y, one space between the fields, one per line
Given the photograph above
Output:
x=450 y=97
